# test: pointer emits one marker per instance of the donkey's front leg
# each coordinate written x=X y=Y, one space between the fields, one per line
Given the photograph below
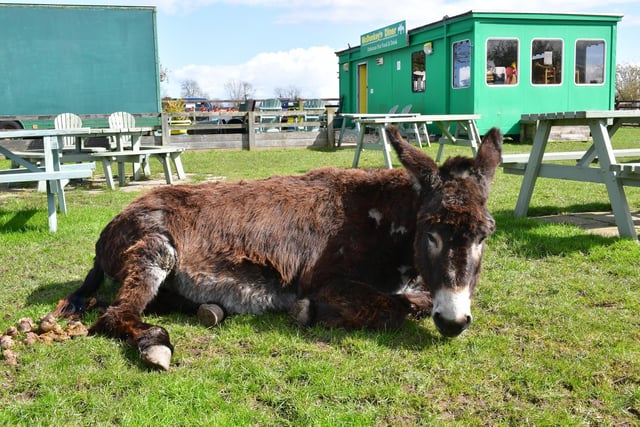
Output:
x=146 y=265
x=351 y=305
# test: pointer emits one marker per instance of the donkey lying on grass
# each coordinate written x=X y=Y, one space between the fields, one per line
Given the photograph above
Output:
x=340 y=248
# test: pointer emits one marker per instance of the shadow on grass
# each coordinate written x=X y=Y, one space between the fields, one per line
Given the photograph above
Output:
x=18 y=221
x=413 y=335
x=51 y=293
x=538 y=239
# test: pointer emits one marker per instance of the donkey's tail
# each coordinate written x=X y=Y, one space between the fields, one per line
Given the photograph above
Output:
x=74 y=305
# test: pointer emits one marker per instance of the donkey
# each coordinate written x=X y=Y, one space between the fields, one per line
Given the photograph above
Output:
x=349 y=248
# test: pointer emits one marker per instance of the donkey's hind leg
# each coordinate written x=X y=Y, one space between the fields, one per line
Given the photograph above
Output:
x=146 y=266
x=74 y=305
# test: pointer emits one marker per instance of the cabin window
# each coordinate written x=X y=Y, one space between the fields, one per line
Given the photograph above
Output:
x=590 y=62
x=502 y=61
x=546 y=62
x=418 y=62
x=461 y=64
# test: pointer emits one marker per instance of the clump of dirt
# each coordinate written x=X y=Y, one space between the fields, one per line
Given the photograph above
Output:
x=27 y=333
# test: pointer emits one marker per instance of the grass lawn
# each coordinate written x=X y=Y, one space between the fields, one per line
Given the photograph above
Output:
x=555 y=341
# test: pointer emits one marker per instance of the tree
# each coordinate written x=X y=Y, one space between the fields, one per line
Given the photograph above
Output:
x=628 y=82
x=164 y=74
x=239 y=90
x=290 y=92
x=191 y=89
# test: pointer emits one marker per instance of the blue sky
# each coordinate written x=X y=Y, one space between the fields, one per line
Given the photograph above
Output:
x=279 y=44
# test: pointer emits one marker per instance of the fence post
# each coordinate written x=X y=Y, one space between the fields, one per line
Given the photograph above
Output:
x=251 y=129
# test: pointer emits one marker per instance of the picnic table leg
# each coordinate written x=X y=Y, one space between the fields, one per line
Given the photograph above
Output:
x=51 y=208
x=533 y=168
x=342 y=129
x=445 y=134
x=474 y=136
x=51 y=164
x=137 y=167
x=591 y=154
x=359 y=147
x=417 y=131
x=617 y=196
x=108 y=174
x=166 y=166
x=426 y=134
x=177 y=163
x=386 y=147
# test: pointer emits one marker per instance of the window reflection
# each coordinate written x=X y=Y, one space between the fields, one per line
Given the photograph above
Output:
x=546 y=62
x=589 y=62
x=462 y=64
x=502 y=61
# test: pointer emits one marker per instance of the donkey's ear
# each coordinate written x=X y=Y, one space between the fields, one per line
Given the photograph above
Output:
x=488 y=158
x=419 y=165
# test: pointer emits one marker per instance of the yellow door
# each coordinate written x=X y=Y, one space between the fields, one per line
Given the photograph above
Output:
x=362 y=88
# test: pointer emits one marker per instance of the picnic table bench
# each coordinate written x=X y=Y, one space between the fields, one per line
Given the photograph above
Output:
x=608 y=170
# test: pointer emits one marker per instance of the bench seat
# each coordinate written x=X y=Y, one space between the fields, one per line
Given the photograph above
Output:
x=83 y=170
x=164 y=154
x=565 y=155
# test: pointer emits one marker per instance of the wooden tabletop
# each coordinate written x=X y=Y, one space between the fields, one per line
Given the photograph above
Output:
x=592 y=114
x=420 y=118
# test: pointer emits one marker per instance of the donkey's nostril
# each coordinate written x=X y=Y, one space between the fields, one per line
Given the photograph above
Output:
x=451 y=328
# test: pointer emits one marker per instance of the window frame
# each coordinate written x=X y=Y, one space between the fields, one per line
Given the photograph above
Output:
x=562 y=60
x=518 y=61
x=453 y=64
x=421 y=88
x=604 y=61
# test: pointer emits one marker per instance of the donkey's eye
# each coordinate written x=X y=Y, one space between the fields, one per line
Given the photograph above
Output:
x=433 y=240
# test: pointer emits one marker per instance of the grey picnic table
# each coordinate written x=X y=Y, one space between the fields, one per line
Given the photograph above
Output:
x=356 y=117
x=136 y=154
x=51 y=171
x=608 y=170
x=463 y=123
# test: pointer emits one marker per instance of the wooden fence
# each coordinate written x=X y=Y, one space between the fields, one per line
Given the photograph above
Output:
x=246 y=130
x=220 y=130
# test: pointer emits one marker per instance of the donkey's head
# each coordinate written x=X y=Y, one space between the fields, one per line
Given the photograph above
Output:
x=452 y=224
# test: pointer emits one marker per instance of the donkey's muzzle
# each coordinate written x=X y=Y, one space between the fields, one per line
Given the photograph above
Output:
x=451 y=328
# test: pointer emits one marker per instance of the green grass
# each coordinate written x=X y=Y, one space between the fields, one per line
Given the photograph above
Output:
x=556 y=337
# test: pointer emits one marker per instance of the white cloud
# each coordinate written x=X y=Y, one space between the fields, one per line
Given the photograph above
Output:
x=314 y=71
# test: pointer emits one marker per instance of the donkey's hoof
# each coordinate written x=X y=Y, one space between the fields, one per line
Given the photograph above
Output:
x=210 y=314
x=158 y=356
x=301 y=312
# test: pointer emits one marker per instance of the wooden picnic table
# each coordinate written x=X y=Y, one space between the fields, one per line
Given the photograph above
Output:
x=130 y=152
x=135 y=154
x=462 y=122
x=356 y=117
x=608 y=170
x=52 y=171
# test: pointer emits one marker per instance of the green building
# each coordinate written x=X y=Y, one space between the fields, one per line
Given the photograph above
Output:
x=497 y=64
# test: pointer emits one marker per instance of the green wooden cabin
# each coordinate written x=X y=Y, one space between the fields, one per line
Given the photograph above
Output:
x=497 y=64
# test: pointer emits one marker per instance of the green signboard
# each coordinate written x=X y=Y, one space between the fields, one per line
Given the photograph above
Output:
x=388 y=38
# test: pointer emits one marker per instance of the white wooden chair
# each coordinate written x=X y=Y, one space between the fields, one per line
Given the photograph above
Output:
x=122 y=120
x=68 y=121
x=125 y=120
